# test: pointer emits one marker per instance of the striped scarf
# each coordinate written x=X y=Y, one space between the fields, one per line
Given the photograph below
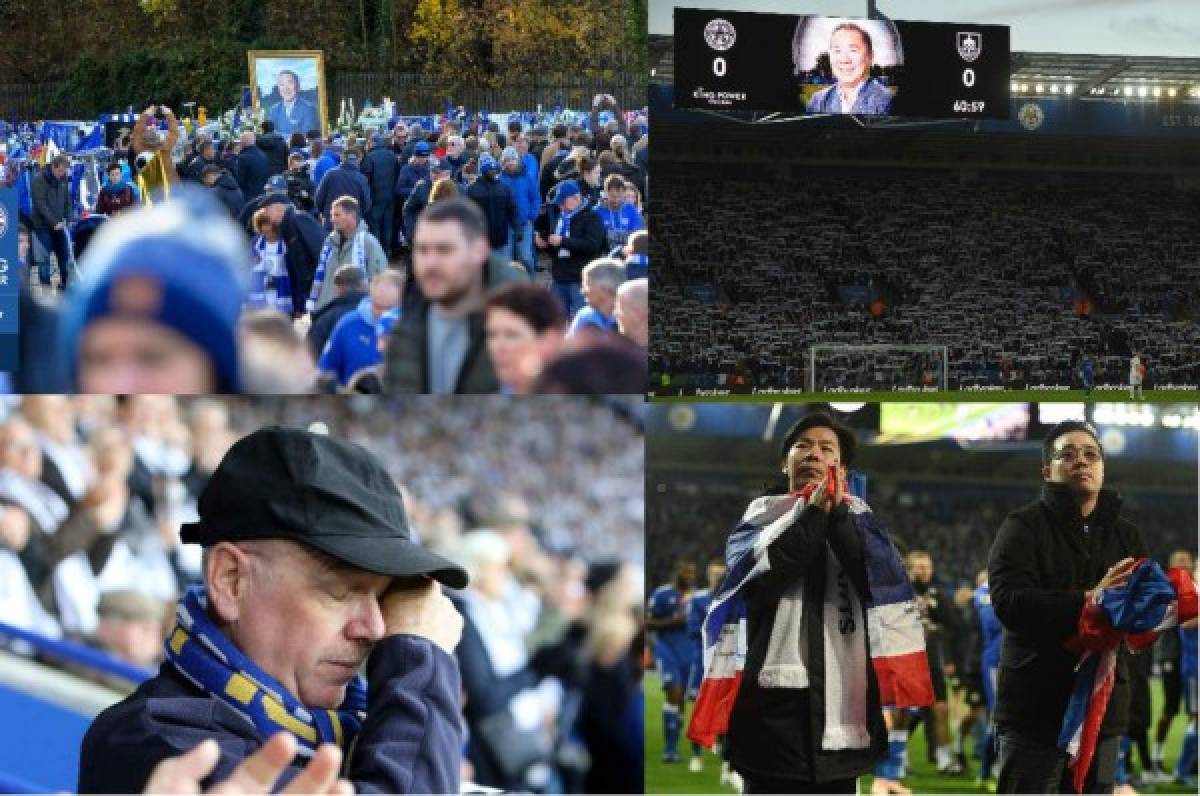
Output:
x=1150 y=602
x=895 y=639
x=270 y=285
x=358 y=257
x=202 y=654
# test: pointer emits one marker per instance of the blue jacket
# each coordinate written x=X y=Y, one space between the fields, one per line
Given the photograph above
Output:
x=252 y=172
x=381 y=169
x=345 y=180
x=411 y=741
x=619 y=224
x=328 y=160
x=524 y=187
x=352 y=346
x=410 y=175
x=872 y=98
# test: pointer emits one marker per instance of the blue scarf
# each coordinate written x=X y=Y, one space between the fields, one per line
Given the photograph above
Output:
x=202 y=654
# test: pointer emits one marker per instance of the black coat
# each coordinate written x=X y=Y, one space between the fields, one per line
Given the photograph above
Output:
x=252 y=172
x=51 y=199
x=414 y=204
x=584 y=244
x=276 y=149
x=381 y=169
x=230 y=194
x=345 y=180
x=499 y=208
x=304 y=236
x=1040 y=565
x=324 y=319
x=776 y=732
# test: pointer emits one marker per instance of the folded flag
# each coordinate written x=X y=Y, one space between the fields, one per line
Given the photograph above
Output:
x=1150 y=602
x=895 y=638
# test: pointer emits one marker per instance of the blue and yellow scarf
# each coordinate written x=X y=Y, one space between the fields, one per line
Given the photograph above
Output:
x=202 y=654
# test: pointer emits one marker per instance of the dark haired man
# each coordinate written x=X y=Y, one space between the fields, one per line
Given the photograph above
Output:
x=439 y=346
x=1048 y=559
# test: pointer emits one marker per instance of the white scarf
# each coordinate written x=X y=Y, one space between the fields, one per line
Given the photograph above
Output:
x=843 y=639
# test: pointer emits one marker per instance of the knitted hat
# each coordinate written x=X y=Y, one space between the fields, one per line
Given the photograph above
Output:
x=565 y=190
x=509 y=153
x=179 y=263
x=488 y=163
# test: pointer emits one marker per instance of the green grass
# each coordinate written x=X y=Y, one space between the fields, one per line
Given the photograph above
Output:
x=949 y=396
x=675 y=778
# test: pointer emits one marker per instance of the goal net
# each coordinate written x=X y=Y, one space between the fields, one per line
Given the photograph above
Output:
x=877 y=367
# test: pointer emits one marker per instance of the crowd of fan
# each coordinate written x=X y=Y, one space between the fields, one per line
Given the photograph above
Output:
x=1019 y=275
x=953 y=522
x=467 y=259
x=539 y=500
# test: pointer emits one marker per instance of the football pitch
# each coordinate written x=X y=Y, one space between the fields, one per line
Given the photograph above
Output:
x=949 y=396
x=922 y=778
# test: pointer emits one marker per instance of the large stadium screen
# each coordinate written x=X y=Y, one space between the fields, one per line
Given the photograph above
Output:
x=729 y=60
x=966 y=421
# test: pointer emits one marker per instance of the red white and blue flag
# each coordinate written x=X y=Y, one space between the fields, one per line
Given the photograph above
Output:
x=896 y=640
x=1150 y=602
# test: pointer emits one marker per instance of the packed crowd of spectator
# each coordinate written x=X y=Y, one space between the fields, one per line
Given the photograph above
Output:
x=540 y=500
x=1020 y=275
x=463 y=259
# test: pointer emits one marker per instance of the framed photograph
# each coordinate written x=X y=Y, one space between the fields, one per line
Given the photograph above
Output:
x=289 y=85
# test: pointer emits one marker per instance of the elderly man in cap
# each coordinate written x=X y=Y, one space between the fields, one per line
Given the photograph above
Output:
x=310 y=573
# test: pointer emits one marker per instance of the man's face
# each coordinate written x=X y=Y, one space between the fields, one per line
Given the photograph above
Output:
x=522 y=146
x=19 y=451
x=446 y=261
x=137 y=641
x=58 y=170
x=632 y=321
x=811 y=454
x=615 y=196
x=287 y=86
x=570 y=203
x=1181 y=558
x=286 y=587
x=848 y=56
x=685 y=576
x=454 y=148
x=716 y=571
x=344 y=221
x=920 y=569
x=598 y=296
x=126 y=356
x=114 y=176
x=384 y=296
x=512 y=166
x=1076 y=462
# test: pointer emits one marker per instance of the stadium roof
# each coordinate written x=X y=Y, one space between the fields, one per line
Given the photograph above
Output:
x=1134 y=76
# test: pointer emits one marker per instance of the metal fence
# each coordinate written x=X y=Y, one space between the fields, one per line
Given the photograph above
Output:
x=421 y=94
x=412 y=93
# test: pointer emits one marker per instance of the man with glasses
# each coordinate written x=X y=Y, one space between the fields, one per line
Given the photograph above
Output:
x=1048 y=559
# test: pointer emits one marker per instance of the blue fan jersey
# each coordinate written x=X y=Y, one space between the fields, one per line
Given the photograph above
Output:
x=672 y=648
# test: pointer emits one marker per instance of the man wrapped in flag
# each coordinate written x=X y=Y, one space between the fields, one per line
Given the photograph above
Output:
x=1049 y=559
x=812 y=631
x=1149 y=602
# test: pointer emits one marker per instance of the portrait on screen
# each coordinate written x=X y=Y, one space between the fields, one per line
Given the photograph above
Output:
x=847 y=65
x=289 y=85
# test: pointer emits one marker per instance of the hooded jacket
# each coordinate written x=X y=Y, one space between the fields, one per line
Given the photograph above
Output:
x=115 y=197
x=499 y=208
x=1044 y=558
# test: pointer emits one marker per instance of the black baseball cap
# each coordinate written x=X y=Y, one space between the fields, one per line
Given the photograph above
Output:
x=327 y=493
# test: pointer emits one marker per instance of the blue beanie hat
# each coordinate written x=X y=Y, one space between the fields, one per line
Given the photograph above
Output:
x=180 y=263
x=488 y=163
x=565 y=190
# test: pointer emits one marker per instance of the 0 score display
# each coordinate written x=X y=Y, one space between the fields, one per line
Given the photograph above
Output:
x=730 y=60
